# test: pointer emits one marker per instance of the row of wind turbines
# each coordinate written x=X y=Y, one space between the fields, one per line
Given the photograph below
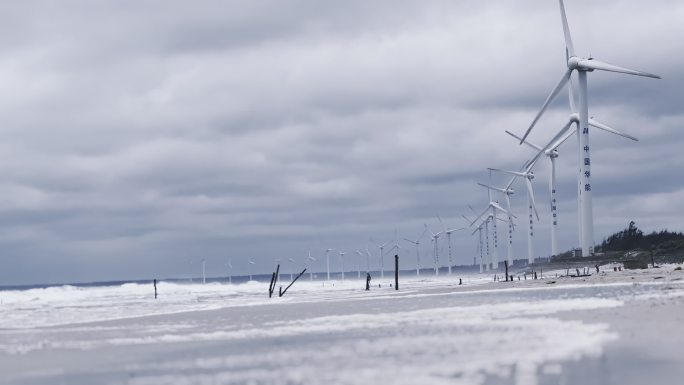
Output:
x=578 y=124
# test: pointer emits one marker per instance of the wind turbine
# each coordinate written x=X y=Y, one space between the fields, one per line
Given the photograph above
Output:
x=448 y=233
x=507 y=191
x=382 y=259
x=492 y=206
x=312 y=259
x=551 y=153
x=582 y=66
x=327 y=261
x=417 y=243
x=251 y=263
x=528 y=175
x=291 y=270
x=435 y=249
x=360 y=262
x=204 y=270
x=230 y=267
x=342 y=253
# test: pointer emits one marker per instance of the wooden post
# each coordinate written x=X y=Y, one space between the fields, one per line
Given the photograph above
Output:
x=396 y=271
x=155 y=288
x=535 y=275
x=282 y=292
x=506 y=265
x=460 y=281
x=368 y=281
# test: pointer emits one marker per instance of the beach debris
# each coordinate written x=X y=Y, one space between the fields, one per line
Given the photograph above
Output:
x=274 y=280
x=460 y=281
x=155 y=288
x=368 y=281
x=396 y=271
x=535 y=275
x=282 y=292
x=551 y=282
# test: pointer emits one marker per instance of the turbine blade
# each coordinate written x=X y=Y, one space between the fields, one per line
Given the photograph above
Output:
x=524 y=141
x=549 y=99
x=598 y=65
x=493 y=188
x=595 y=123
x=531 y=192
x=516 y=173
x=570 y=48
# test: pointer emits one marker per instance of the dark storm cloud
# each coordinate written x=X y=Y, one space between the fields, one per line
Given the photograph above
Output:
x=140 y=137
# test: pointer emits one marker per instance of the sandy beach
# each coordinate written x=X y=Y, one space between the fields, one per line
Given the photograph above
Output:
x=609 y=328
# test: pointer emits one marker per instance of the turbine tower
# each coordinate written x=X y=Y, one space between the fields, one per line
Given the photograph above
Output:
x=311 y=259
x=417 y=243
x=229 y=265
x=507 y=191
x=342 y=253
x=493 y=206
x=551 y=153
x=448 y=233
x=291 y=270
x=251 y=263
x=360 y=262
x=582 y=66
x=528 y=175
x=435 y=248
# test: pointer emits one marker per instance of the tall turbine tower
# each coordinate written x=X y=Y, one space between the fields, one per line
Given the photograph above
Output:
x=528 y=175
x=491 y=210
x=507 y=191
x=311 y=259
x=448 y=232
x=435 y=248
x=417 y=243
x=582 y=66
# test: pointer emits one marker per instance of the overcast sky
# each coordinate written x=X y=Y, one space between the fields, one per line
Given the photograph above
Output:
x=138 y=137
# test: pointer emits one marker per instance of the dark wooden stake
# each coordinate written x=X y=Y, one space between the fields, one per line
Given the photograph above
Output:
x=535 y=275
x=368 y=280
x=155 y=289
x=396 y=271
x=274 y=281
x=460 y=281
x=506 y=265
x=282 y=292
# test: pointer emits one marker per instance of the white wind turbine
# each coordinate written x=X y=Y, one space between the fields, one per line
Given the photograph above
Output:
x=251 y=263
x=417 y=243
x=360 y=261
x=311 y=259
x=448 y=232
x=582 y=66
x=492 y=206
x=204 y=271
x=292 y=269
x=230 y=268
x=342 y=254
x=382 y=259
x=507 y=191
x=435 y=247
x=528 y=175
x=550 y=151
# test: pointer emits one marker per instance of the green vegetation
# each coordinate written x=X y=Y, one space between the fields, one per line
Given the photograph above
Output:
x=632 y=238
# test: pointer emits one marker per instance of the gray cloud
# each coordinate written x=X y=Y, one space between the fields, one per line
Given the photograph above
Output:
x=139 y=136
